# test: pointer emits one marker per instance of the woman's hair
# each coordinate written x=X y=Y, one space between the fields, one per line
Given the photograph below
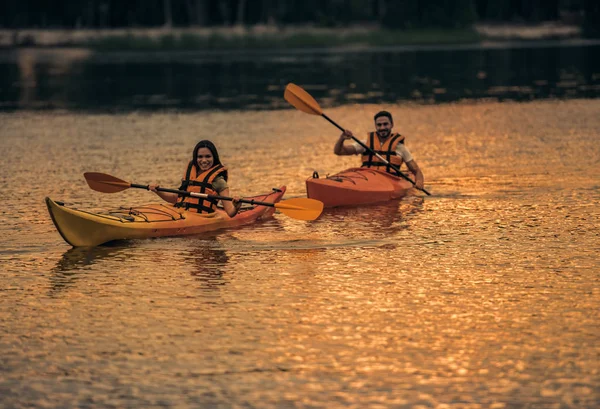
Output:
x=211 y=147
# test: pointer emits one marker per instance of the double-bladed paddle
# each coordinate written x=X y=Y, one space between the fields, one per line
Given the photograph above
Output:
x=303 y=101
x=298 y=208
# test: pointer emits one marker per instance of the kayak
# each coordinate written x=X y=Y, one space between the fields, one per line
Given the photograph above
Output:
x=81 y=228
x=356 y=186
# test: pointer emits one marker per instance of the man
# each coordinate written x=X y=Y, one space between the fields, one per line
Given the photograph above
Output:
x=390 y=146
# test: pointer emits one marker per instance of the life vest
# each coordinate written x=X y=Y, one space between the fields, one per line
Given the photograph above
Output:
x=387 y=151
x=200 y=183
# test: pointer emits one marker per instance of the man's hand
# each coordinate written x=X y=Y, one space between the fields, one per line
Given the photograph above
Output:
x=415 y=170
x=347 y=134
x=340 y=148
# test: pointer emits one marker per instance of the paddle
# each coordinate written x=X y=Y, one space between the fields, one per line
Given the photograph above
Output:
x=303 y=101
x=298 y=208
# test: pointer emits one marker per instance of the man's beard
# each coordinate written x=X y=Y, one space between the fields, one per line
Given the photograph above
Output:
x=383 y=134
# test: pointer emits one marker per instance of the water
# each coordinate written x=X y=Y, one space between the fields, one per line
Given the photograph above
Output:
x=125 y=81
x=485 y=294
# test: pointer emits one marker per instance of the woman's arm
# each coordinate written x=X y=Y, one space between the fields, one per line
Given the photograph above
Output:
x=166 y=196
x=230 y=207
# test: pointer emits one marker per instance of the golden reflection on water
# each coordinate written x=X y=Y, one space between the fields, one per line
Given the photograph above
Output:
x=483 y=295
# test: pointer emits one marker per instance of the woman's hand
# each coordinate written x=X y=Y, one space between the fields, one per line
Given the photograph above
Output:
x=236 y=203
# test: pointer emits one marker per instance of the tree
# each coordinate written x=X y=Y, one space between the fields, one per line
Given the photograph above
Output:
x=241 y=11
x=197 y=11
x=401 y=14
x=498 y=10
x=463 y=13
x=591 y=23
x=168 y=13
x=269 y=12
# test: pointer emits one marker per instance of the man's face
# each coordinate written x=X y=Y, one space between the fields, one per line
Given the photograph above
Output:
x=384 y=126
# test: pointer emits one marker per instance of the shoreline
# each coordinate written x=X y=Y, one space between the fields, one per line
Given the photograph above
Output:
x=138 y=56
x=273 y=38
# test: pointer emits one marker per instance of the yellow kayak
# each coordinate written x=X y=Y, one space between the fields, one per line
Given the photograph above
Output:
x=81 y=228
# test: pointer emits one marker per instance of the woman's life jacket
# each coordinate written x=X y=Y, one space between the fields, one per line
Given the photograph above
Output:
x=387 y=151
x=200 y=183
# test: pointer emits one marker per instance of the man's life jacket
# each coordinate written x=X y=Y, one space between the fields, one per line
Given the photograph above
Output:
x=387 y=151
x=200 y=183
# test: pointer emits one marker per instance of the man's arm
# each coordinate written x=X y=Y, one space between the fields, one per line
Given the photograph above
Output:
x=340 y=148
x=414 y=168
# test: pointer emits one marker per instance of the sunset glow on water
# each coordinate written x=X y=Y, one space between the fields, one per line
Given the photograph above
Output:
x=483 y=295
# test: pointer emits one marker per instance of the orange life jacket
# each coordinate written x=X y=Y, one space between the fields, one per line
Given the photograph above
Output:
x=387 y=151
x=200 y=183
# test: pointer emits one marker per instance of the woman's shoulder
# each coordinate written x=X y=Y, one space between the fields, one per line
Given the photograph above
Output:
x=219 y=183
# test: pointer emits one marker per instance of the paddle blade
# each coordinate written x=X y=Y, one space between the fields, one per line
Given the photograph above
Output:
x=300 y=208
x=101 y=182
x=301 y=99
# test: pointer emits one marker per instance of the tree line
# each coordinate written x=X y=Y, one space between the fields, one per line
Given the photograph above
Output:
x=400 y=14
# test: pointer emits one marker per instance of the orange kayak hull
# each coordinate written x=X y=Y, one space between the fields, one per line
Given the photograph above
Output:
x=356 y=187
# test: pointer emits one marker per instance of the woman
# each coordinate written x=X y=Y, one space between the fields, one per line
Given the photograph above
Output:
x=204 y=174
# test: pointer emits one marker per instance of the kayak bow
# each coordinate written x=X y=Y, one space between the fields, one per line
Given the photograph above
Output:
x=356 y=186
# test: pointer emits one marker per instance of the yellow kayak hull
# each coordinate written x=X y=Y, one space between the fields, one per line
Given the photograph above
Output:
x=81 y=228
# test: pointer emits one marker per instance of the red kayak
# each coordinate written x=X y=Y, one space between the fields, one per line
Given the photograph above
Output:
x=356 y=186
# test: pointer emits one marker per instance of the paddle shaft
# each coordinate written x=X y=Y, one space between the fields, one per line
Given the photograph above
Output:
x=203 y=195
x=376 y=154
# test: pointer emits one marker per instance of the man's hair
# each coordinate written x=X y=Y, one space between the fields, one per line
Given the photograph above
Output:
x=383 y=113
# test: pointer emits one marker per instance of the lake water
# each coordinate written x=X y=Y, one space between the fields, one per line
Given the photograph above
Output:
x=123 y=81
x=484 y=295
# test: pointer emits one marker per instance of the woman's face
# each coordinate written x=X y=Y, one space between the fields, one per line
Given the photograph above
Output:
x=205 y=158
